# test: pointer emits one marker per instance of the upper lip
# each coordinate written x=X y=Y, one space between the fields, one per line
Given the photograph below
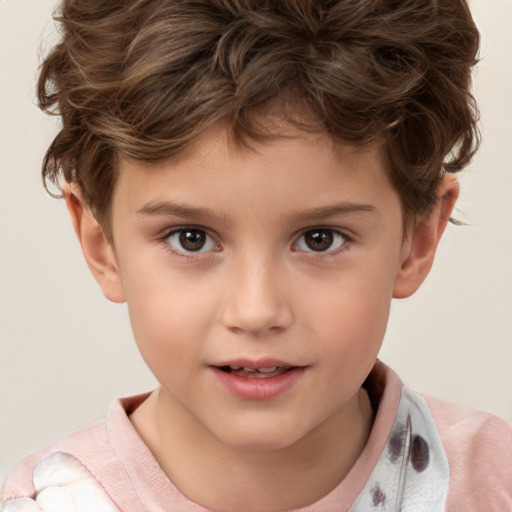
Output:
x=255 y=364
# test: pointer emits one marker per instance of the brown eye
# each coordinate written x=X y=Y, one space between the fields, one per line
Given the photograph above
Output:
x=190 y=240
x=320 y=240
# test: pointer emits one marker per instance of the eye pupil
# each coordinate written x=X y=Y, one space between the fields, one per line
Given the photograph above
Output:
x=192 y=239
x=319 y=240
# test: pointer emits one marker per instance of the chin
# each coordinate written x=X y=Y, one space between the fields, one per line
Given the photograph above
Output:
x=261 y=438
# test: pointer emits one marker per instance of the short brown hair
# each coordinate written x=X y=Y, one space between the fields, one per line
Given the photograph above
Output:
x=141 y=79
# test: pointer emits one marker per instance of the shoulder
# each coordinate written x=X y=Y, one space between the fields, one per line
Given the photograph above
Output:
x=84 y=471
x=20 y=482
x=62 y=482
x=479 y=450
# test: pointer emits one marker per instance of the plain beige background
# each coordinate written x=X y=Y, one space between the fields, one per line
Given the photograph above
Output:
x=65 y=352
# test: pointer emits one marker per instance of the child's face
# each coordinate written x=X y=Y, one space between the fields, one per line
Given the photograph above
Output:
x=286 y=257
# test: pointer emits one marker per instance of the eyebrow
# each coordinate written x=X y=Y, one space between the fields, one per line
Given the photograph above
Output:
x=170 y=209
x=342 y=208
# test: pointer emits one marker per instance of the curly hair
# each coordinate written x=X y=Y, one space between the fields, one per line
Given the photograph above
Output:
x=141 y=79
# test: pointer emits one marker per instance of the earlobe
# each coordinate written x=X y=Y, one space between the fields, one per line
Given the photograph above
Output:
x=98 y=251
x=420 y=248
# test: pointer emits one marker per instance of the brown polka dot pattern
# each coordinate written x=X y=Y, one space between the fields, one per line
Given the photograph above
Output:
x=420 y=456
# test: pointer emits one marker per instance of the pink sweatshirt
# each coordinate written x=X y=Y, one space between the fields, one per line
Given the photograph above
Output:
x=423 y=455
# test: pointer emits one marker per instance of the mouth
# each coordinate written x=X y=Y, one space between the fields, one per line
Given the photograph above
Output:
x=255 y=373
x=257 y=380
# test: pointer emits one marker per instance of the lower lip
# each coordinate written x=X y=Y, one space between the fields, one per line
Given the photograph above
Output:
x=264 y=388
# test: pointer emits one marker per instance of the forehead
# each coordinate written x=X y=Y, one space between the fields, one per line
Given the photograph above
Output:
x=216 y=157
x=218 y=144
x=299 y=176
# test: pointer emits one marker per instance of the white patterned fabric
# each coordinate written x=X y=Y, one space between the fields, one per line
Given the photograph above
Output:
x=412 y=474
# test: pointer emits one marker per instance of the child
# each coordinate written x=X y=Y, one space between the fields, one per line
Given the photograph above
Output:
x=257 y=180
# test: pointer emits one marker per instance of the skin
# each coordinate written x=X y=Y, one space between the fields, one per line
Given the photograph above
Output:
x=257 y=290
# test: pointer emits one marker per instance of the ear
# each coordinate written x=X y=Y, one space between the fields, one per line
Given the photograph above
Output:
x=420 y=247
x=98 y=251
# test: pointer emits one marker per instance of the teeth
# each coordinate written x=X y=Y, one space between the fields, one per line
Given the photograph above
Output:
x=258 y=370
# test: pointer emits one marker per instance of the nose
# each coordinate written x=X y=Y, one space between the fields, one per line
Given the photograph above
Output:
x=257 y=300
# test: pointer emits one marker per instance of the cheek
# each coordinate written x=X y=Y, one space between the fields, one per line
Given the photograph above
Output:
x=168 y=319
x=351 y=313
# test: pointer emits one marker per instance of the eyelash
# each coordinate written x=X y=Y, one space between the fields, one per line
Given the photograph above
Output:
x=319 y=255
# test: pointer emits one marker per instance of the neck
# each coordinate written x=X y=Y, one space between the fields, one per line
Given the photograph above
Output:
x=223 y=477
